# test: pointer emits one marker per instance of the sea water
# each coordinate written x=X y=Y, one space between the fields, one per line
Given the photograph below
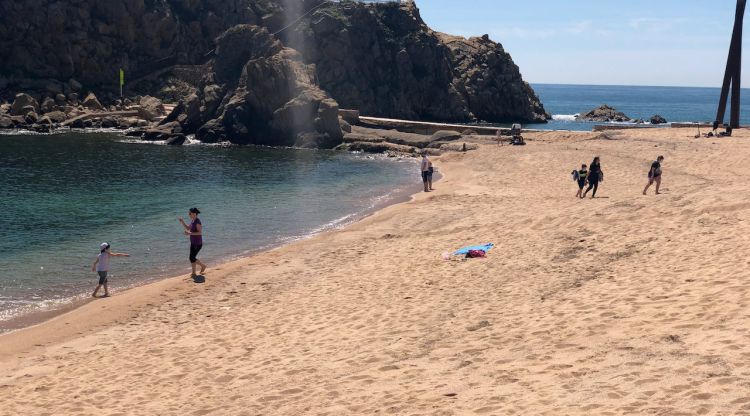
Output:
x=61 y=195
x=675 y=104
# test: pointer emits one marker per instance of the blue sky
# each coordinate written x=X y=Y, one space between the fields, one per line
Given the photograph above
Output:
x=638 y=42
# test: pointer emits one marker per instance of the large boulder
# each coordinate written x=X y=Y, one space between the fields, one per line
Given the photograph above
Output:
x=259 y=92
x=56 y=116
x=92 y=103
x=5 y=122
x=30 y=117
x=48 y=105
x=150 y=108
x=603 y=114
x=23 y=101
x=657 y=119
x=446 y=135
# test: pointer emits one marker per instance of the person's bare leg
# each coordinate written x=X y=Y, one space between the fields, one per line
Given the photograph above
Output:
x=203 y=266
x=658 y=183
x=96 y=291
x=647 y=186
x=106 y=290
x=429 y=182
x=192 y=265
x=425 y=186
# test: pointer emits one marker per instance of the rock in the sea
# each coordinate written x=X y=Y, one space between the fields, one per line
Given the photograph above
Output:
x=30 y=117
x=78 y=124
x=48 y=105
x=603 y=113
x=73 y=98
x=4 y=108
x=150 y=108
x=60 y=99
x=5 y=122
x=109 y=123
x=92 y=103
x=44 y=121
x=657 y=119
x=176 y=140
x=23 y=101
x=56 y=116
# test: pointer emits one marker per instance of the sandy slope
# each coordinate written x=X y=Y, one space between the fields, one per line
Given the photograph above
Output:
x=620 y=305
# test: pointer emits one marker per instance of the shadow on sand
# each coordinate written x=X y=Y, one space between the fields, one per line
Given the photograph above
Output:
x=199 y=278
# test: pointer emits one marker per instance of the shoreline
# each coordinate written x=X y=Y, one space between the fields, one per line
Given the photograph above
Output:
x=42 y=317
x=580 y=308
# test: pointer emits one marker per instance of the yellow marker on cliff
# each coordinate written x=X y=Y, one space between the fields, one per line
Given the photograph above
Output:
x=122 y=80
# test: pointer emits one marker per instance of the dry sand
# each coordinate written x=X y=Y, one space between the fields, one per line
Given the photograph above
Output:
x=625 y=304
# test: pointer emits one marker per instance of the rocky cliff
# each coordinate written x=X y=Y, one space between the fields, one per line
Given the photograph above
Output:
x=259 y=92
x=379 y=58
x=385 y=61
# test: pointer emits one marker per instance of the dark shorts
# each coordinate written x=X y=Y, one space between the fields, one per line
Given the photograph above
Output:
x=102 y=277
x=426 y=175
x=653 y=178
x=581 y=183
x=194 y=249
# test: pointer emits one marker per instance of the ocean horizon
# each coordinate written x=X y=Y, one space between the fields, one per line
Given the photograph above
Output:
x=675 y=104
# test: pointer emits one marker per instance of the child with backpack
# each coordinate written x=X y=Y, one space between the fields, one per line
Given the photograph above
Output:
x=580 y=176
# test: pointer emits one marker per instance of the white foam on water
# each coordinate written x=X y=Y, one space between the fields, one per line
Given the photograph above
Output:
x=565 y=117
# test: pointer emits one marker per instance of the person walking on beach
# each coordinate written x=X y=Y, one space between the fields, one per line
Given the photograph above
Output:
x=595 y=176
x=195 y=231
x=654 y=175
x=427 y=170
x=582 y=177
x=101 y=266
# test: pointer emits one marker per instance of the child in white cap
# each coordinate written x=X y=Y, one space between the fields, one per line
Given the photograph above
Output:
x=101 y=266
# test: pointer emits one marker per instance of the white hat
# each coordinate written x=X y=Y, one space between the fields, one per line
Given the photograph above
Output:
x=103 y=246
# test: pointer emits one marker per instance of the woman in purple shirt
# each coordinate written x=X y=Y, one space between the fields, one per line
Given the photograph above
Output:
x=195 y=231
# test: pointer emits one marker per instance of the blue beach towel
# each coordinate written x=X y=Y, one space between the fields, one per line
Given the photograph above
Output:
x=464 y=250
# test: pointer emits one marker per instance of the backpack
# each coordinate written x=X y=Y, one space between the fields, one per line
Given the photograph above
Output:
x=475 y=253
x=575 y=175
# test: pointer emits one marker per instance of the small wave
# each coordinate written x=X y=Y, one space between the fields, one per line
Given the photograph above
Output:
x=565 y=117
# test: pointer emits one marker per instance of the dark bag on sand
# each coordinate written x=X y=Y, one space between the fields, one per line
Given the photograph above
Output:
x=475 y=253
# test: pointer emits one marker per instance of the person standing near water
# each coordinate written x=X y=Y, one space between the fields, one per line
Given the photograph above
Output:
x=101 y=266
x=427 y=170
x=654 y=175
x=195 y=231
x=595 y=176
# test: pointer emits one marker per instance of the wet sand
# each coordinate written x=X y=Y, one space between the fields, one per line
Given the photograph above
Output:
x=624 y=304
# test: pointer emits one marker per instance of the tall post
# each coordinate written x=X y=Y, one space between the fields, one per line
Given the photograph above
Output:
x=733 y=71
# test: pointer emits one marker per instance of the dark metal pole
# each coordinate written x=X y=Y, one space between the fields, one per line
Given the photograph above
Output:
x=733 y=70
x=734 y=117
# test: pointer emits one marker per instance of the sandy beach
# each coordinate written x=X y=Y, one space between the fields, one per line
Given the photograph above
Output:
x=624 y=304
